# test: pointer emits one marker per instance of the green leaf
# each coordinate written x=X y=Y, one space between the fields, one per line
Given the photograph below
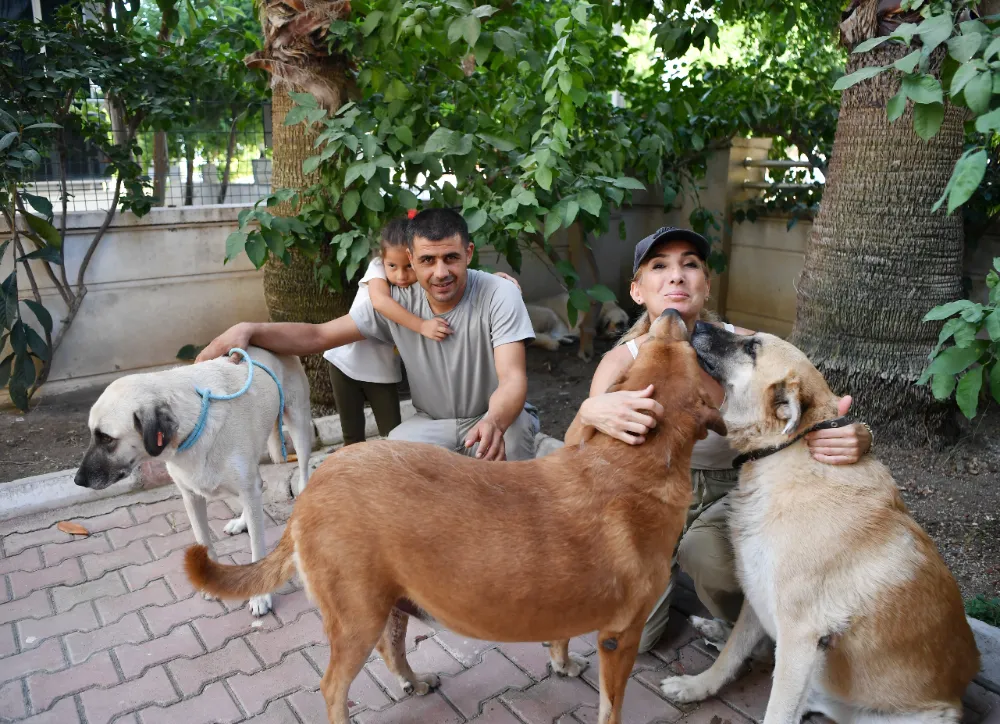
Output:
x=942 y=386
x=500 y=144
x=543 y=175
x=483 y=11
x=907 y=63
x=37 y=344
x=5 y=366
x=565 y=82
x=927 y=119
x=978 y=92
x=857 y=76
x=993 y=325
x=39 y=203
x=896 y=106
x=189 y=352
x=961 y=78
x=44 y=229
x=256 y=249
x=43 y=316
x=578 y=302
x=304 y=99
x=372 y=198
x=935 y=30
x=467 y=27
x=995 y=381
x=922 y=89
x=988 y=122
x=954 y=360
x=963 y=47
x=275 y=241
x=48 y=254
x=967 y=392
x=371 y=22
x=353 y=172
x=601 y=293
x=627 y=182
x=590 y=202
x=553 y=222
x=51 y=126
x=943 y=311
x=8 y=301
x=869 y=44
x=448 y=142
x=352 y=199
x=404 y=134
x=992 y=49
x=568 y=272
x=407 y=199
x=476 y=220
x=8 y=139
x=311 y=164
x=235 y=244
x=966 y=177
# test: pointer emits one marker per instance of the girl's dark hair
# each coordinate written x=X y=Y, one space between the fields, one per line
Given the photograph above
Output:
x=394 y=233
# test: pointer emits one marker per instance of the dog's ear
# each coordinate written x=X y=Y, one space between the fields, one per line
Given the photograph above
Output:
x=710 y=419
x=157 y=425
x=787 y=403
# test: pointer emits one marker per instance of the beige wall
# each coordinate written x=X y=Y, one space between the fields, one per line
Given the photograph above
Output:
x=154 y=285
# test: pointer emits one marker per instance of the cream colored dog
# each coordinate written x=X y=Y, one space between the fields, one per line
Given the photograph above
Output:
x=146 y=416
x=868 y=621
x=550 y=320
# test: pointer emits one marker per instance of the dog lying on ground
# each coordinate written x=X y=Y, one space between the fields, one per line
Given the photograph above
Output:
x=471 y=528
x=550 y=320
x=868 y=620
x=147 y=416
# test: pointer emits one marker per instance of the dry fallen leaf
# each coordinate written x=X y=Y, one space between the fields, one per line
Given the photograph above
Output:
x=72 y=528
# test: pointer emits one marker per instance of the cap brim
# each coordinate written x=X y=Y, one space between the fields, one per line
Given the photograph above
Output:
x=699 y=242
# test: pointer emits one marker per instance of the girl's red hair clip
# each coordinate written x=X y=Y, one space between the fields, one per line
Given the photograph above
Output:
x=411 y=213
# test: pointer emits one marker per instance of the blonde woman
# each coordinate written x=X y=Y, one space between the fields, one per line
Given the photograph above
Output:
x=670 y=272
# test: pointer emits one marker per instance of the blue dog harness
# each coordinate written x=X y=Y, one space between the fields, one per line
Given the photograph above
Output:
x=207 y=396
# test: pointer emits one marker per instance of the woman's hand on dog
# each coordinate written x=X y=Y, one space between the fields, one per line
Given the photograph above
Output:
x=842 y=445
x=625 y=415
x=236 y=336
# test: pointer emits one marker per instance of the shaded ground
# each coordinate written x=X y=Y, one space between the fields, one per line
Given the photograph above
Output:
x=954 y=494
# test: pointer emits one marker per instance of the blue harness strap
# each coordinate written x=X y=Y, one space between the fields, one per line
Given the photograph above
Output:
x=207 y=396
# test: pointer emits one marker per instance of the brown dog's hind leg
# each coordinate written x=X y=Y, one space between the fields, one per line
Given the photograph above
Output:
x=350 y=645
x=392 y=649
x=563 y=662
x=617 y=655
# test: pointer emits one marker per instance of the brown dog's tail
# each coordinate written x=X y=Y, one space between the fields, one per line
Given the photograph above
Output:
x=254 y=579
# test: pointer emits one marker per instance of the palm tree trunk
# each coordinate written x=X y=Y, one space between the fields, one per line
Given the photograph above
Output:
x=878 y=258
x=292 y=293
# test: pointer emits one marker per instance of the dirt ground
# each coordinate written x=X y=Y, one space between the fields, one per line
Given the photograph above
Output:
x=954 y=494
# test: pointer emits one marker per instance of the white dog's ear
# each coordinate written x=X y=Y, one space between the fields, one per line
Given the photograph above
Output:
x=157 y=425
x=787 y=404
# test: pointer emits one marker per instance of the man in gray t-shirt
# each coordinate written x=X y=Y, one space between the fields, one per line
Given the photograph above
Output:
x=468 y=390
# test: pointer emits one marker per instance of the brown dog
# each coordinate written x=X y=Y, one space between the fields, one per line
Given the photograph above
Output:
x=541 y=550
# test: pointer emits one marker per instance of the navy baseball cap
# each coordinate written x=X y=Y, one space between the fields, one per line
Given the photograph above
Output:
x=670 y=233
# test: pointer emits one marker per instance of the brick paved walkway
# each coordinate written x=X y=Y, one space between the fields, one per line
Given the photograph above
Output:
x=107 y=628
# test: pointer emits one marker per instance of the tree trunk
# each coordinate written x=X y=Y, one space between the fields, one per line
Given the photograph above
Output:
x=230 y=152
x=292 y=293
x=161 y=166
x=189 y=165
x=878 y=259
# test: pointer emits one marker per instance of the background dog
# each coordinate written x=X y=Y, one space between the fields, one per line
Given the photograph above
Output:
x=868 y=620
x=147 y=416
x=542 y=550
x=550 y=320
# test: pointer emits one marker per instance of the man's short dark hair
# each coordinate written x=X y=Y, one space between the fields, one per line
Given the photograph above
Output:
x=437 y=224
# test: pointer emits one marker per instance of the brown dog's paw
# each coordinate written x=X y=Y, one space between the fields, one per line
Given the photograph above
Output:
x=425 y=684
x=575 y=666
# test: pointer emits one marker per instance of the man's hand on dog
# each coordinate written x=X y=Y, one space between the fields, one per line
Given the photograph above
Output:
x=626 y=415
x=843 y=445
x=490 y=438
x=236 y=336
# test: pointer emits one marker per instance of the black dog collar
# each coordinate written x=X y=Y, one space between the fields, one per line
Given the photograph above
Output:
x=764 y=452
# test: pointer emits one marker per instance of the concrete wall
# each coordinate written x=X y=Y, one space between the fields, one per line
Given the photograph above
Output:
x=155 y=284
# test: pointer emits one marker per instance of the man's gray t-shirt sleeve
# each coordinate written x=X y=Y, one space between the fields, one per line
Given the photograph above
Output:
x=509 y=320
x=370 y=323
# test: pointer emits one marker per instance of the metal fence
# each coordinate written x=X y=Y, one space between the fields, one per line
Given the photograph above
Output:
x=197 y=156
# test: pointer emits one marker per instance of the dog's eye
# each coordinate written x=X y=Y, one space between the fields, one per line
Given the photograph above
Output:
x=103 y=438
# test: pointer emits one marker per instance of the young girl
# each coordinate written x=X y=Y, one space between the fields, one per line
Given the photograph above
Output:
x=370 y=369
